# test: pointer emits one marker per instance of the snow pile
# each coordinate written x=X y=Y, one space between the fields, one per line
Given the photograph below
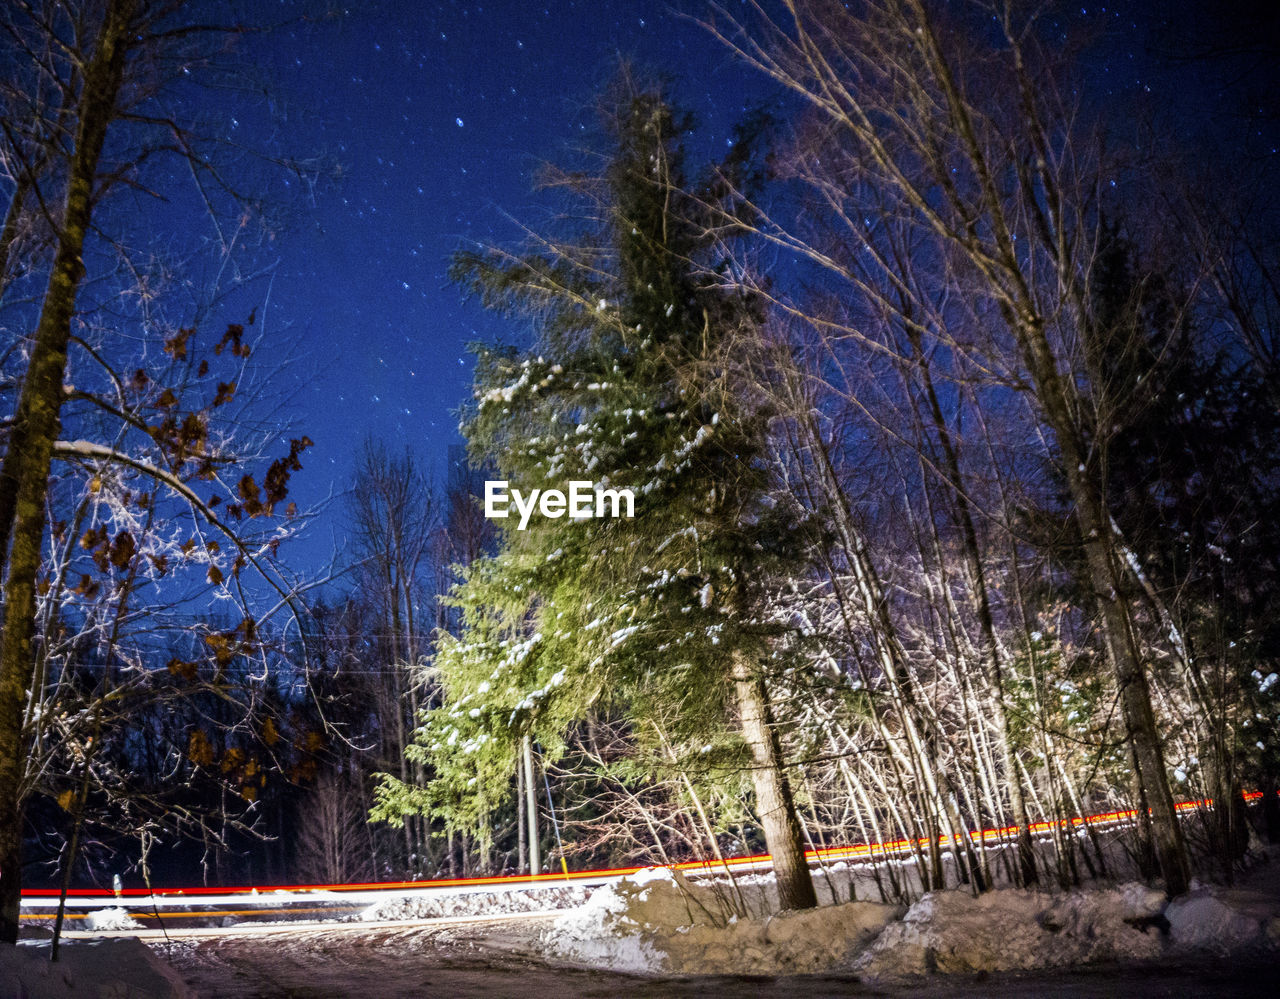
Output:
x=610 y=930
x=1012 y=930
x=117 y=968
x=656 y=921
x=480 y=903
x=107 y=920
x=1224 y=922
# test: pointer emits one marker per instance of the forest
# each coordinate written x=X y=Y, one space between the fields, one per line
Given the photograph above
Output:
x=947 y=392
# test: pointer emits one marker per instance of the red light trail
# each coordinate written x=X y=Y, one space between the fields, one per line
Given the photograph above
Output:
x=862 y=852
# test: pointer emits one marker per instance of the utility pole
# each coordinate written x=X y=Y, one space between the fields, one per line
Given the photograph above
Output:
x=531 y=807
x=522 y=823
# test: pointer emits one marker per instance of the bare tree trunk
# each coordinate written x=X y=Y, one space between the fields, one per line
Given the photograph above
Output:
x=891 y=83
x=24 y=477
x=1111 y=590
x=963 y=517
x=773 y=791
x=9 y=233
x=69 y=855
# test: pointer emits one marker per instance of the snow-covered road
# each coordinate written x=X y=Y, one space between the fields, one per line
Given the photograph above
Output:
x=490 y=959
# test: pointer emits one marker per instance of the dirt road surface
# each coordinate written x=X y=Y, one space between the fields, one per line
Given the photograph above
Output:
x=496 y=959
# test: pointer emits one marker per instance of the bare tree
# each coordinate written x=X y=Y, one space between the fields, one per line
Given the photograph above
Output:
x=979 y=152
x=88 y=129
x=396 y=521
x=332 y=842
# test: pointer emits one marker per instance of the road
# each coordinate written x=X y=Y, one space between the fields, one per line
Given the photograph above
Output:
x=487 y=958
x=500 y=955
x=200 y=906
x=197 y=907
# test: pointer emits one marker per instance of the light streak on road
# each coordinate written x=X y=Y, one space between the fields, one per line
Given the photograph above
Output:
x=332 y=900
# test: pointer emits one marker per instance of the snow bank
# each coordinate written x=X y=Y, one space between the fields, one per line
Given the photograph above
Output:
x=611 y=929
x=109 y=919
x=483 y=903
x=1012 y=930
x=656 y=921
x=1224 y=921
x=115 y=968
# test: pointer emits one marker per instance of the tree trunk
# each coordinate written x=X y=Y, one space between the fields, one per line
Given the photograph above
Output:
x=9 y=234
x=777 y=810
x=1135 y=702
x=963 y=518
x=1112 y=585
x=24 y=477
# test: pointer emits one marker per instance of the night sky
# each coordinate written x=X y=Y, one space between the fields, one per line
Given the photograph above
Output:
x=436 y=118
x=432 y=119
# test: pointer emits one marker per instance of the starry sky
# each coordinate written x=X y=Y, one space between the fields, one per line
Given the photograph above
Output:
x=431 y=119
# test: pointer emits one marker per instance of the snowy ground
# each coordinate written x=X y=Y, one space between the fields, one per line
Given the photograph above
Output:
x=655 y=934
x=110 y=968
x=499 y=960
x=658 y=923
x=478 y=903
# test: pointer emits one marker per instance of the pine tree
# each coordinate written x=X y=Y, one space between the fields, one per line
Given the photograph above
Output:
x=630 y=385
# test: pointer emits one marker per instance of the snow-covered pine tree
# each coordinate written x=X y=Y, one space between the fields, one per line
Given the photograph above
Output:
x=630 y=384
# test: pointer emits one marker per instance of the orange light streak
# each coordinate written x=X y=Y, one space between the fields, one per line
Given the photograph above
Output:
x=893 y=848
